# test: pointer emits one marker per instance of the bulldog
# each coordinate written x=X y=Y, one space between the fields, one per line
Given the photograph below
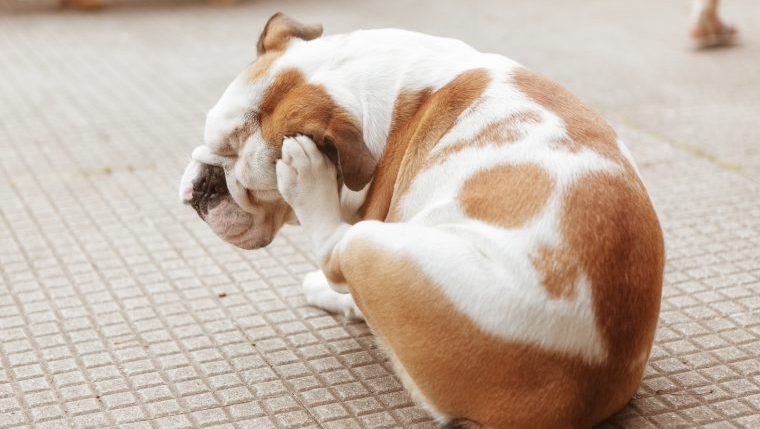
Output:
x=492 y=231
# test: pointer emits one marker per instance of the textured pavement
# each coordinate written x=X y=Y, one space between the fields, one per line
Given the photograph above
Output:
x=120 y=308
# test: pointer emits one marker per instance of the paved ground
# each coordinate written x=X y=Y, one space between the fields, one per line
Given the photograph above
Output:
x=119 y=308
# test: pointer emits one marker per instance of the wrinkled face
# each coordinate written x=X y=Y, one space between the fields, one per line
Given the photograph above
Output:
x=231 y=180
x=204 y=187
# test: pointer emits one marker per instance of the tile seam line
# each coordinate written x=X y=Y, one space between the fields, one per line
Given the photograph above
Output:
x=223 y=308
x=351 y=370
x=153 y=359
x=70 y=344
x=275 y=289
x=153 y=305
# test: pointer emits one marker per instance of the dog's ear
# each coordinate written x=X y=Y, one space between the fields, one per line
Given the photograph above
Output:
x=280 y=29
x=343 y=143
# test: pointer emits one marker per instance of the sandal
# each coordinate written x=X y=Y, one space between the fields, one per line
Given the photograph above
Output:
x=708 y=31
x=83 y=4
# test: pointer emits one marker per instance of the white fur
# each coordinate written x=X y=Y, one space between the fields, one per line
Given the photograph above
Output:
x=485 y=271
x=511 y=303
x=307 y=181
x=366 y=86
x=186 y=183
x=318 y=293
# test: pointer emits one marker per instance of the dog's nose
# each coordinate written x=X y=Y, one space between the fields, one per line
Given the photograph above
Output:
x=207 y=190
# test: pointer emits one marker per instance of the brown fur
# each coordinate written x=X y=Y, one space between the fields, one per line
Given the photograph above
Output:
x=559 y=271
x=465 y=372
x=506 y=195
x=610 y=226
x=504 y=131
x=381 y=190
x=280 y=30
x=585 y=129
x=412 y=142
x=609 y=233
x=293 y=106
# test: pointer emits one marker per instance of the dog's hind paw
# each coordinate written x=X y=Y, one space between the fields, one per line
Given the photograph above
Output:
x=318 y=293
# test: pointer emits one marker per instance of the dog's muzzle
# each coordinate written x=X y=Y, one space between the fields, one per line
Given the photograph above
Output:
x=208 y=190
x=209 y=179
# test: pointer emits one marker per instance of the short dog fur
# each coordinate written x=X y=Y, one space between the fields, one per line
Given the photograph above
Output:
x=492 y=230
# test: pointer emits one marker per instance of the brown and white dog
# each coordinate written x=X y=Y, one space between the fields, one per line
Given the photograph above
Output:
x=492 y=230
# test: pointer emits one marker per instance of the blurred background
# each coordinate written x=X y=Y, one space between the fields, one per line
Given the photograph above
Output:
x=119 y=308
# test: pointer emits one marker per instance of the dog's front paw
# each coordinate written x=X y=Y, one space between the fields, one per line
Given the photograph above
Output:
x=307 y=180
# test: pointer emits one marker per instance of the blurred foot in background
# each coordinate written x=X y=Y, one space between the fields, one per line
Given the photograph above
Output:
x=97 y=4
x=83 y=4
x=707 y=29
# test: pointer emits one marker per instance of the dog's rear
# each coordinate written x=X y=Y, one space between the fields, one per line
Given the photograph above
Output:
x=520 y=284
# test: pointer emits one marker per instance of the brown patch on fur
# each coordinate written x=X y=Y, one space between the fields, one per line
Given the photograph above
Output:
x=558 y=271
x=280 y=29
x=508 y=129
x=293 y=106
x=413 y=140
x=466 y=373
x=504 y=131
x=406 y=105
x=610 y=233
x=610 y=226
x=381 y=190
x=585 y=129
x=506 y=195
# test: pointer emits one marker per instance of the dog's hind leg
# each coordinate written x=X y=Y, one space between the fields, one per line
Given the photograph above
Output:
x=387 y=268
x=396 y=274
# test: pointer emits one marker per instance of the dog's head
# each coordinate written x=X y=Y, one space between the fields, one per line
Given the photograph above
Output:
x=231 y=180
